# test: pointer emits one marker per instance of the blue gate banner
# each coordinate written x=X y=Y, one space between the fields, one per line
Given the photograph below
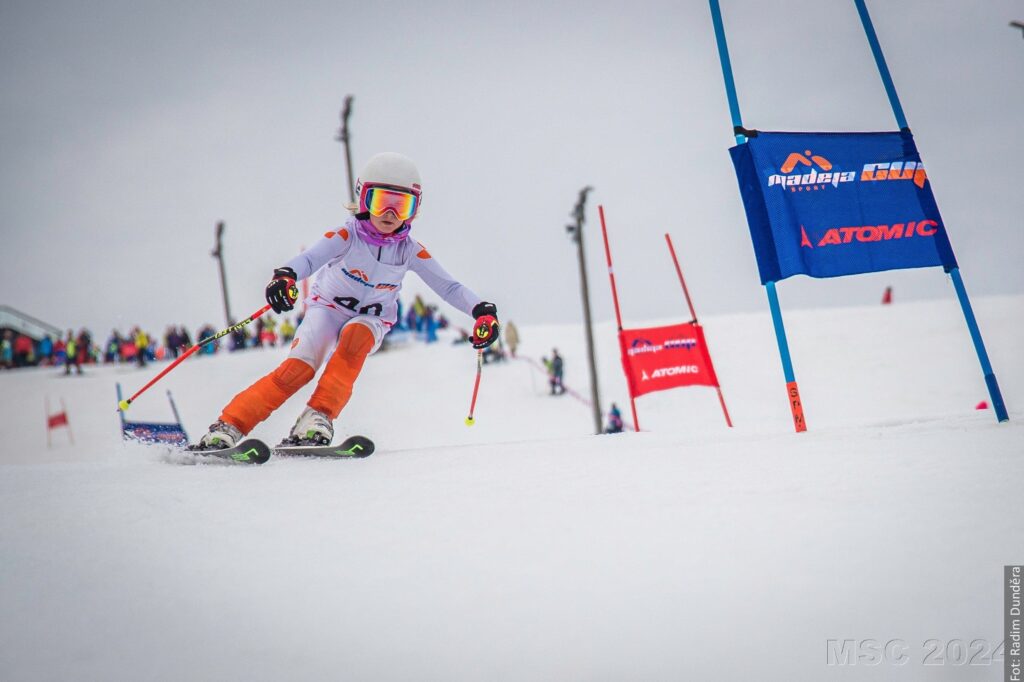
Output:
x=152 y=432
x=834 y=204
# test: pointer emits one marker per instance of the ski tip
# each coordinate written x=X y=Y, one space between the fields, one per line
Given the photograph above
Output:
x=252 y=451
x=470 y=421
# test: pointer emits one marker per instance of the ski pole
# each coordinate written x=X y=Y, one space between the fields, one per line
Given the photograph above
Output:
x=123 y=405
x=476 y=385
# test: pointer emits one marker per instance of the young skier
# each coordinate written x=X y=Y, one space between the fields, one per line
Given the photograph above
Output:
x=352 y=304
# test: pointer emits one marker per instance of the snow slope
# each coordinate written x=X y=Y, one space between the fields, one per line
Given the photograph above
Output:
x=525 y=548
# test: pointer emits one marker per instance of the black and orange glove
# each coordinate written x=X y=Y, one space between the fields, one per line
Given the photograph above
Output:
x=282 y=292
x=485 y=329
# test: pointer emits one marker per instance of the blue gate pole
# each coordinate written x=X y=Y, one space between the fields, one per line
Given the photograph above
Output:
x=792 y=390
x=961 y=292
x=177 y=417
x=883 y=68
x=730 y=84
x=118 y=386
x=979 y=346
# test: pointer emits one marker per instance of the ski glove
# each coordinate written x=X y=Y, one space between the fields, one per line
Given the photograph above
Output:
x=282 y=292
x=485 y=329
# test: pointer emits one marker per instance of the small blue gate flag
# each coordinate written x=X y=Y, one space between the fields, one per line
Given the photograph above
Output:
x=834 y=204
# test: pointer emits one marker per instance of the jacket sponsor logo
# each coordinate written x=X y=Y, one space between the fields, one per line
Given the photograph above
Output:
x=814 y=179
x=872 y=233
x=358 y=275
x=896 y=170
x=353 y=276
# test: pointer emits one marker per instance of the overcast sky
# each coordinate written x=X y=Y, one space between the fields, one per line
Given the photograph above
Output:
x=128 y=129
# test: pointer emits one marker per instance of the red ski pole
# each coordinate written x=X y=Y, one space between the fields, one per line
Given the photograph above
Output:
x=485 y=332
x=476 y=385
x=123 y=405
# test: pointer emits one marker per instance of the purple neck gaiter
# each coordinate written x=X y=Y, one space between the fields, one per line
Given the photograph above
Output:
x=372 y=235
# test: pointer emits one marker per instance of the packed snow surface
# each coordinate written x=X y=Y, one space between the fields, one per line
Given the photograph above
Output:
x=526 y=548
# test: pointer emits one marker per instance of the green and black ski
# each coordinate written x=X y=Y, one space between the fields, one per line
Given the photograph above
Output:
x=351 y=447
x=249 y=451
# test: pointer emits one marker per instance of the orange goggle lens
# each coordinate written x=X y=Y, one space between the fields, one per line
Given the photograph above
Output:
x=380 y=200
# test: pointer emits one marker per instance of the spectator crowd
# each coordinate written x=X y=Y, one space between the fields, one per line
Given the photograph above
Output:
x=73 y=351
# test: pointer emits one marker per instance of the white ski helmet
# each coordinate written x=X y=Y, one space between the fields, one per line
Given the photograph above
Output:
x=388 y=169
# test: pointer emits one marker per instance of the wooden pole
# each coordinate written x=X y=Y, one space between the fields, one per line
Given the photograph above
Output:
x=218 y=253
x=343 y=137
x=577 y=232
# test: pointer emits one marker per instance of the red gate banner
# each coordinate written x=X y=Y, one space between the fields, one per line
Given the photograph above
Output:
x=659 y=358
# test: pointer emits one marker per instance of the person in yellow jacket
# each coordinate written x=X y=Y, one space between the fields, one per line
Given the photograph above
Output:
x=287 y=331
x=71 y=354
x=270 y=331
x=141 y=346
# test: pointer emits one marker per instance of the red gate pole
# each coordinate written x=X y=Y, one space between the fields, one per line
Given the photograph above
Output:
x=689 y=302
x=618 y=314
x=686 y=292
x=721 y=399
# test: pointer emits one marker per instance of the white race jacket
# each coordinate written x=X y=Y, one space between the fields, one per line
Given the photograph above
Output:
x=365 y=278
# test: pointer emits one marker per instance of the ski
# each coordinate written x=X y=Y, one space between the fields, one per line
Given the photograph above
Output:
x=249 y=451
x=351 y=447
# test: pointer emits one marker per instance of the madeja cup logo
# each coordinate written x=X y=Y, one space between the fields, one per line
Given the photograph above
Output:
x=820 y=175
x=647 y=346
x=895 y=170
x=642 y=346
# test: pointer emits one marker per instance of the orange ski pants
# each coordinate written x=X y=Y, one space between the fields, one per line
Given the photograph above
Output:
x=256 y=403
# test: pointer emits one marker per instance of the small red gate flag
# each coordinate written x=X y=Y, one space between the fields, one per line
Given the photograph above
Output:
x=57 y=420
x=659 y=358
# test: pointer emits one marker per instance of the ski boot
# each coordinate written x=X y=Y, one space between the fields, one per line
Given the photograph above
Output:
x=220 y=436
x=311 y=428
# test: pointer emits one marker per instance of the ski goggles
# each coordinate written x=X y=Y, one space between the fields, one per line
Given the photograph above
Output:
x=380 y=200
